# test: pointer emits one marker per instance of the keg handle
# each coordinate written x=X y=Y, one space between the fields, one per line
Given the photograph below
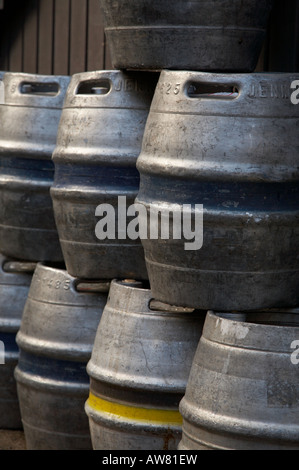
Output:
x=50 y=89
x=18 y=266
x=98 y=87
x=157 y=306
x=92 y=287
x=202 y=90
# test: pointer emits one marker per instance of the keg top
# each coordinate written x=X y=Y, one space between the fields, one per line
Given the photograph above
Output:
x=111 y=89
x=34 y=90
x=237 y=94
x=271 y=331
x=51 y=283
x=136 y=347
x=222 y=127
x=138 y=299
x=57 y=320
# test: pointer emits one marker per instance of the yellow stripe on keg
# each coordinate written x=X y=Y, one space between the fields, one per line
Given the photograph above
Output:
x=166 y=417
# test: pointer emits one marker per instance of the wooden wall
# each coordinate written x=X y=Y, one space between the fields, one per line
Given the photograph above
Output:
x=63 y=37
x=281 y=49
x=59 y=37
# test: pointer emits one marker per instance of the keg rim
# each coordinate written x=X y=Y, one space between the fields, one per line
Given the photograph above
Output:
x=276 y=318
x=158 y=307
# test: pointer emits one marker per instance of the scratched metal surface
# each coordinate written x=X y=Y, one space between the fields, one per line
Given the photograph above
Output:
x=230 y=143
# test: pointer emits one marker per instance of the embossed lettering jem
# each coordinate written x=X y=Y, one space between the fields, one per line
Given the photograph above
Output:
x=269 y=90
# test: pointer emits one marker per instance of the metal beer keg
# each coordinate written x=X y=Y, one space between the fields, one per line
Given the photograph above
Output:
x=242 y=392
x=15 y=279
x=138 y=370
x=224 y=148
x=99 y=140
x=55 y=339
x=29 y=122
x=219 y=35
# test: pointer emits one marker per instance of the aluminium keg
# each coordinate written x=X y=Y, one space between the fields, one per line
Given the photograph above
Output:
x=55 y=340
x=29 y=122
x=99 y=139
x=242 y=392
x=138 y=370
x=219 y=35
x=222 y=151
x=15 y=279
x=2 y=94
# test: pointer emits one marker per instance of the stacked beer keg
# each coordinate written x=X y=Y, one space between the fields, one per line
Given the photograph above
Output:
x=220 y=147
x=29 y=115
x=48 y=318
x=144 y=333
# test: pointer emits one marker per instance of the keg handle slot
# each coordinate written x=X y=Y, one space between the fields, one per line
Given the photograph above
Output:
x=42 y=89
x=94 y=87
x=212 y=91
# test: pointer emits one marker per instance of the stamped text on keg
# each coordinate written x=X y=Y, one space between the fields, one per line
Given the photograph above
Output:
x=2 y=353
x=295 y=94
x=179 y=222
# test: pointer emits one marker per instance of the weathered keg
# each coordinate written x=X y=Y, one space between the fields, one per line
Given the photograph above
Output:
x=99 y=140
x=29 y=123
x=222 y=152
x=2 y=94
x=222 y=35
x=139 y=369
x=15 y=279
x=55 y=340
x=242 y=392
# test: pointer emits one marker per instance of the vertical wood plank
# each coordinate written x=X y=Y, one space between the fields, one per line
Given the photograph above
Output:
x=78 y=35
x=15 y=60
x=3 y=55
x=3 y=43
x=30 y=37
x=283 y=43
x=45 y=37
x=61 y=37
x=95 y=39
